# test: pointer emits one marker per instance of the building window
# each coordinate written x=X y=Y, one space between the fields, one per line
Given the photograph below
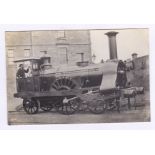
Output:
x=61 y=35
x=26 y=53
x=10 y=57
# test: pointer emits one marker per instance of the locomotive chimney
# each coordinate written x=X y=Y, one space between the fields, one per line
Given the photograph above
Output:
x=112 y=44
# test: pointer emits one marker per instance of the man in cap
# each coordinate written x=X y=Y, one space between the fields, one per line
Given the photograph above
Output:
x=21 y=71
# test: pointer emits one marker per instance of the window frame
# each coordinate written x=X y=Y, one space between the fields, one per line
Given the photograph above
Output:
x=27 y=55
x=10 y=56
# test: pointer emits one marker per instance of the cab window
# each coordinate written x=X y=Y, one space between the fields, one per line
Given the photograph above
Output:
x=35 y=66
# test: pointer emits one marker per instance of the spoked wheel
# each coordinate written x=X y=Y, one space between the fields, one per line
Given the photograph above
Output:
x=68 y=108
x=63 y=83
x=30 y=106
x=65 y=105
x=98 y=107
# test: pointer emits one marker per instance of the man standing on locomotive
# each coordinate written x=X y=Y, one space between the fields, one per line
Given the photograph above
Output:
x=121 y=75
x=21 y=71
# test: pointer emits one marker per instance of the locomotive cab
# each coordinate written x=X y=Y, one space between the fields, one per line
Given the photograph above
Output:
x=27 y=70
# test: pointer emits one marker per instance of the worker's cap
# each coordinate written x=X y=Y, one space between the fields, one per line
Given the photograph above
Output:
x=20 y=65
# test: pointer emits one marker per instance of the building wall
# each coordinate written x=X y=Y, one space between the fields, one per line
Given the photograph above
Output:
x=62 y=46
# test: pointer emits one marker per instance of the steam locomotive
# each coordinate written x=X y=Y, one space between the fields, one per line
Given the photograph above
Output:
x=46 y=86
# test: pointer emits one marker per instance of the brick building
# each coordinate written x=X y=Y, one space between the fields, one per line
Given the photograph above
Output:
x=62 y=46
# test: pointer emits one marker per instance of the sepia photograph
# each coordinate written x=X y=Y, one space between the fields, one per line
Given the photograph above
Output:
x=77 y=76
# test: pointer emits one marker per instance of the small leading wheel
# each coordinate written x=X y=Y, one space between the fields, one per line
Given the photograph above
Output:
x=69 y=107
x=98 y=107
x=30 y=106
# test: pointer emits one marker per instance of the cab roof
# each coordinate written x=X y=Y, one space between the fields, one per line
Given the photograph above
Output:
x=26 y=59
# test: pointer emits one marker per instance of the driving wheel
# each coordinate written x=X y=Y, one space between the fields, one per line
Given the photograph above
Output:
x=65 y=105
x=68 y=107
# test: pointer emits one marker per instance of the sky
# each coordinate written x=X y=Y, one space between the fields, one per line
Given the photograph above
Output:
x=128 y=41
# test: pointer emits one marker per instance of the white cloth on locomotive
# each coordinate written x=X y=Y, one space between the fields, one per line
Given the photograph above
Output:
x=109 y=76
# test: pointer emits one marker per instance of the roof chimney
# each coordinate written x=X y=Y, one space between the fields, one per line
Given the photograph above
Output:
x=112 y=44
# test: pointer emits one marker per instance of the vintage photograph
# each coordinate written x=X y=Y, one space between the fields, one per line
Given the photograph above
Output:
x=77 y=76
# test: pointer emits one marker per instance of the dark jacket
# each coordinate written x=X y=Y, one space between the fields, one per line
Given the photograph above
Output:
x=121 y=79
x=21 y=73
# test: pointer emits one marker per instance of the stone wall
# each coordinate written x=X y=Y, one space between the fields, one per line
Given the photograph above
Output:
x=139 y=76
